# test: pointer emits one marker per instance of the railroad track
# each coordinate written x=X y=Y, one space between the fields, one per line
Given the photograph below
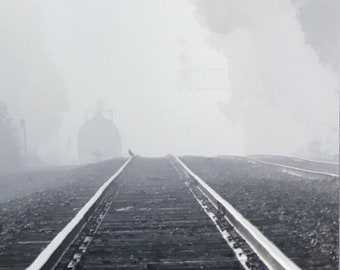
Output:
x=157 y=214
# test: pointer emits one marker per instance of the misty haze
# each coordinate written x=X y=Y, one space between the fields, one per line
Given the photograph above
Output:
x=169 y=134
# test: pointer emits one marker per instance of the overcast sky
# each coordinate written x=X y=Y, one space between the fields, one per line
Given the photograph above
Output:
x=257 y=85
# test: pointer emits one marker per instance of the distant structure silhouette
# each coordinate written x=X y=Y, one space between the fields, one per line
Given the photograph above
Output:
x=98 y=138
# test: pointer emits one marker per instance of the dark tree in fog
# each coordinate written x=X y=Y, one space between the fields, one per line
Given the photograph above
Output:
x=10 y=156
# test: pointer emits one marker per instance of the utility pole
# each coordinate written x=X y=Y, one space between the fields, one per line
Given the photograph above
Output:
x=23 y=126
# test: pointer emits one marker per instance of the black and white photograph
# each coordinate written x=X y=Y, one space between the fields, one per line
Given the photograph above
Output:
x=169 y=134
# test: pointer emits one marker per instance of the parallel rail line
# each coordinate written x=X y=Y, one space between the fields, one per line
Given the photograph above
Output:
x=297 y=159
x=310 y=174
x=302 y=172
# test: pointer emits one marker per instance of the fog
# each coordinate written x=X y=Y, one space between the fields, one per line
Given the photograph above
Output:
x=285 y=96
x=182 y=77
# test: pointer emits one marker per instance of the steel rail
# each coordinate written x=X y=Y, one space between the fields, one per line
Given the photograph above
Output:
x=52 y=254
x=270 y=255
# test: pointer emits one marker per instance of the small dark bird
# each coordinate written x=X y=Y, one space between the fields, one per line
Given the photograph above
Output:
x=131 y=153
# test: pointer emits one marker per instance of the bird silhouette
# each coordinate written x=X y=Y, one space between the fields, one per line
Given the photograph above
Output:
x=132 y=154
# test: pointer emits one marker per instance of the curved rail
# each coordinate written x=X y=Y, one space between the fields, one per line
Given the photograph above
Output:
x=271 y=256
x=50 y=256
x=297 y=159
x=299 y=171
x=287 y=169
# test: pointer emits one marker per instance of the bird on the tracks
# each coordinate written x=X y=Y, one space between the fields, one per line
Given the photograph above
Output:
x=132 y=154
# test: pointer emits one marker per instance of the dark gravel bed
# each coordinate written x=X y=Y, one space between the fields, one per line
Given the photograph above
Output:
x=299 y=215
x=28 y=224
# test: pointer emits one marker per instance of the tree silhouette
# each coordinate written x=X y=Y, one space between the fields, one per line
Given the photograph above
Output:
x=10 y=156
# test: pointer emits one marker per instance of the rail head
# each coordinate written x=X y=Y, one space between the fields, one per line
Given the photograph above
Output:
x=43 y=261
x=264 y=248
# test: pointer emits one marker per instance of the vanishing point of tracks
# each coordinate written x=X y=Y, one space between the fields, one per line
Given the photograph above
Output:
x=157 y=214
